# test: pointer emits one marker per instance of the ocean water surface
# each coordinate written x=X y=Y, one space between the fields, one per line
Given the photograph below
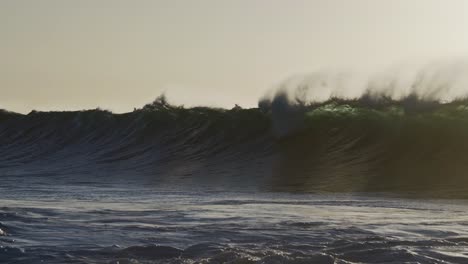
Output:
x=101 y=223
x=343 y=181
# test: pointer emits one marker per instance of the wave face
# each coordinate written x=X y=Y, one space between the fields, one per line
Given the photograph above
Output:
x=362 y=145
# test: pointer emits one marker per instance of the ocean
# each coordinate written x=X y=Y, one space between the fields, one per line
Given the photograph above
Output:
x=341 y=181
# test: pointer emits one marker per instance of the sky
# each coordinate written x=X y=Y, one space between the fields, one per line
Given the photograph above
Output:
x=116 y=54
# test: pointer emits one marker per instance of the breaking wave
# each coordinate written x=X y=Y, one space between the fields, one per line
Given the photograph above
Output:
x=371 y=144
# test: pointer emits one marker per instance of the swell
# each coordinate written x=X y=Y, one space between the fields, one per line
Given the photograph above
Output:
x=382 y=145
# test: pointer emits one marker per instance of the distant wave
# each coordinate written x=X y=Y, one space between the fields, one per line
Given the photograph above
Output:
x=369 y=144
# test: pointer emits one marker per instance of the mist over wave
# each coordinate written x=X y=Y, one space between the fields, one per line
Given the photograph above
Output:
x=379 y=140
x=442 y=81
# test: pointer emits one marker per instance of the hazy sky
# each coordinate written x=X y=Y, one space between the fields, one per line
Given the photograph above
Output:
x=64 y=54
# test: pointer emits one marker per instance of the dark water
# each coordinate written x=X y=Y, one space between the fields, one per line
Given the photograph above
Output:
x=360 y=181
x=128 y=224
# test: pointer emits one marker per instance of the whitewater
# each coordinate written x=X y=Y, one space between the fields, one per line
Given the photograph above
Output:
x=125 y=223
x=370 y=179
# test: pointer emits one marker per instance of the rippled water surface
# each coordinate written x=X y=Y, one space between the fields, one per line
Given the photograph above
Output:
x=121 y=223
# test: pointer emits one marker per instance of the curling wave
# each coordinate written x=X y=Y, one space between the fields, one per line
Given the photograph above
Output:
x=370 y=144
